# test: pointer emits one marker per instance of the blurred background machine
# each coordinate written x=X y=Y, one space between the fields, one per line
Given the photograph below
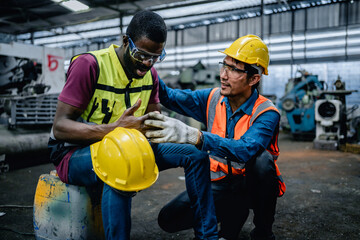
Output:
x=313 y=111
x=199 y=77
x=334 y=126
x=298 y=105
x=194 y=77
x=31 y=78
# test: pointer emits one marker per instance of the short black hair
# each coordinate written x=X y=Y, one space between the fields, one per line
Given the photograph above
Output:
x=251 y=71
x=147 y=24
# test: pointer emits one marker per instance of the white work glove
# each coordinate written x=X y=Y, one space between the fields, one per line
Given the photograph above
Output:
x=170 y=130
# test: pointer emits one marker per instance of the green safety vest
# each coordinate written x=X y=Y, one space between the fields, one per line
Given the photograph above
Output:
x=114 y=93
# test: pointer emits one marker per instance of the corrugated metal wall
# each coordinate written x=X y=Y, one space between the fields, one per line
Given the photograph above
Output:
x=324 y=40
x=300 y=32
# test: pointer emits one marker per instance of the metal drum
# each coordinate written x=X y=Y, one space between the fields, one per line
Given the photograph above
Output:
x=63 y=211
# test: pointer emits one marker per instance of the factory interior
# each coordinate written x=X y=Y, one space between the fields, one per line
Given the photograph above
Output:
x=313 y=80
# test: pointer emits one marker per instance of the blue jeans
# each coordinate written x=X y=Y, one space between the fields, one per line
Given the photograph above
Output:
x=116 y=207
x=233 y=197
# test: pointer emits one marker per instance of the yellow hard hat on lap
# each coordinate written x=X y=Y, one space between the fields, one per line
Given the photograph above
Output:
x=249 y=49
x=124 y=160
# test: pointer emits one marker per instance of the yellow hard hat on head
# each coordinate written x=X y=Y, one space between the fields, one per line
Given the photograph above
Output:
x=124 y=160
x=249 y=49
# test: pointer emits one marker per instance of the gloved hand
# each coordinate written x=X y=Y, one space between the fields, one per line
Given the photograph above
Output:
x=170 y=130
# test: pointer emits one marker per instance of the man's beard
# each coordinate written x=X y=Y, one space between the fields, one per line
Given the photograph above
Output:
x=131 y=67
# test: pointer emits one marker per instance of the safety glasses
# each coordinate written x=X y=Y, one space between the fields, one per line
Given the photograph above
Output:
x=230 y=70
x=141 y=56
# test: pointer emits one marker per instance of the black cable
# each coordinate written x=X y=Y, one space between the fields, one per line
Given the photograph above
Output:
x=12 y=230
x=15 y=206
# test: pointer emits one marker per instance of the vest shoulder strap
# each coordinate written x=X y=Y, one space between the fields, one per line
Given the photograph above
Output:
x=260 y=109
x=214 y=99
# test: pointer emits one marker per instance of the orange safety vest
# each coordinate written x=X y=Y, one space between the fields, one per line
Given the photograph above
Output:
x=216 y=124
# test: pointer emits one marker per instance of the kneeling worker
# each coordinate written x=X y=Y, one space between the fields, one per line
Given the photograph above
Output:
x=241 y=141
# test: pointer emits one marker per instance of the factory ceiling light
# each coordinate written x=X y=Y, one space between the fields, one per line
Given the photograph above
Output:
x=73 y=5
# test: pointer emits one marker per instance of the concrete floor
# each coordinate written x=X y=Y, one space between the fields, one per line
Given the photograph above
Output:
x=322 y=199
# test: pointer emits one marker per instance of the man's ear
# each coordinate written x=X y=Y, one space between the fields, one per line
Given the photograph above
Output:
x=125 y=40
x=254 y=79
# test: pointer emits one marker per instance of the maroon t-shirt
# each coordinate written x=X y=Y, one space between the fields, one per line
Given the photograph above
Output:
x=78 y=91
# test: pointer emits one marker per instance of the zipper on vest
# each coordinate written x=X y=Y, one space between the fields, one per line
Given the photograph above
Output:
x=127 y=94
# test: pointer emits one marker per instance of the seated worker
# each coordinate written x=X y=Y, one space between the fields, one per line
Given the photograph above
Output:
x=241 y=141
x=117 y=87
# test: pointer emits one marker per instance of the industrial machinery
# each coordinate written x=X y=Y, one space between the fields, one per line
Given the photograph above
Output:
x=298 y=105
x=327 y=117
x=31 y=78
x=332 y=123
x=195 y=77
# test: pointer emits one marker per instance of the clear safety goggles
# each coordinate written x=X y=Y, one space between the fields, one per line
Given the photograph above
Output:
x=230 y=70
x=141 y=56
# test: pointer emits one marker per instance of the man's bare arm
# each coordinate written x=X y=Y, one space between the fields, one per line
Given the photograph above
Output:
x=66 y=127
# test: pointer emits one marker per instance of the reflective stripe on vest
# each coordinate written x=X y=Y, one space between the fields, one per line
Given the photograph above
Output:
x=216 y=124
x=114 y=92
